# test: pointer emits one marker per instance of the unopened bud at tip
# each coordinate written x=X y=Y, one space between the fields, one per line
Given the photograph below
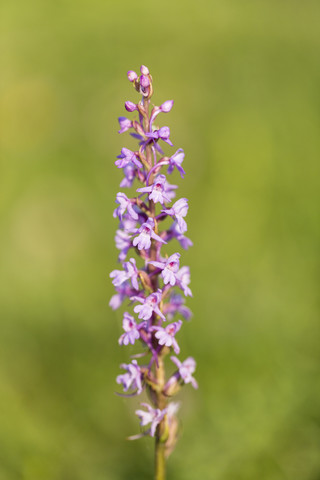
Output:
x=132 y=76
x=130 y=106
x=144 y=70
x=166 y=106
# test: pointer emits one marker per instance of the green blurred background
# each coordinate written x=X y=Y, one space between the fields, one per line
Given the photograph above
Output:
x=245 y=79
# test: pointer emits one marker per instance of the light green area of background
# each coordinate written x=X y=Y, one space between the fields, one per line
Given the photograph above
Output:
x=245 y=79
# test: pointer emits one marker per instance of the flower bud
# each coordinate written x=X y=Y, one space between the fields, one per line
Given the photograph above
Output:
x=138 y=128
x=166 y=106
x=144 y=81
x=132 y=76
x=125 y=124
x=130 y=106
x=172 y=386
x=144 y=70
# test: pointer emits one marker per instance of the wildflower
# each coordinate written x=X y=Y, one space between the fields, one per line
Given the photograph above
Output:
x=130 y=328
x=123 y=291
x=140 y=221
x=153 y=416
x=163 y=134
x=132 y=76
x=123 y=243
x=176 y=305
x=186 y=369
x=124 y=204
x=175 y=161
x=129 y=175
x=132 y=379
x=143 y=240
x=149 y=305
x=183 y=277
x=179 y=210
x=157 y=191
x=169 y=268
x=166 y=335
x=125 y=124
x=130 y=272
x=130 y=107
x=126 y=157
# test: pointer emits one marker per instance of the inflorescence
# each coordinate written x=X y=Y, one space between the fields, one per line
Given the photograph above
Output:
x=153 y=286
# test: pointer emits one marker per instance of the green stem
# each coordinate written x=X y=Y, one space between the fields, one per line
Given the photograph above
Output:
x=160 y=461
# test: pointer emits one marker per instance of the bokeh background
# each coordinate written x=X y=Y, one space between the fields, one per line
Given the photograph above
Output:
x=245 y=79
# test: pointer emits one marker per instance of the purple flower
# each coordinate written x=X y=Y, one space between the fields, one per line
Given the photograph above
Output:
x=123 y=291
x=165 y=108
x=179 y=210
x=163 y=133
x=144 y=226
x=130 y=328
x=153 y=416
x=143 y=240
x=170 y=190
x=128 y=224
x=186 y=369
x=149 y=305
x=129 y=174
x=126 y=157
x=144 y=81
x=124 y=204
x=144 y=70
x=183 y=277
x=130 y=272
x=174 y=232
x=169 y=268
x=132 y=76
x=132 y=379
x=176 y=304
x=123 y=243
x=175 y=161
x=166 y=335
x=125 y=124
x=130 y=107
x=157 y=191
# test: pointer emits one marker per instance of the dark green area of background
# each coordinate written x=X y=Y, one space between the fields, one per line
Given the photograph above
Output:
x=245 y=79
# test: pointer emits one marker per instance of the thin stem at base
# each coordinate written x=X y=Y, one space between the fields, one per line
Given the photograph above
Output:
x=160 y=460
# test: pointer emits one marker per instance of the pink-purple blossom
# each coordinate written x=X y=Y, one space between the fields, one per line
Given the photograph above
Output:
x=123 y=243
x=183 y=277
x=163 y=134
x=130 y=272
x=149 y=305
x=124 y=204
x=132 y=379
x=129 y=171
x=157 y=191
x=126 y=157
x=130 y=106
x=152 y=415
x=186 y=369
x=179 y=210
x=146 y=233
x=175 y=161
x=148 y=287
x=125 y=124
x=132 y=76
x=169 y=268
x=131 y=331
x=166 y=336
x=176 y=305
x=124 y=291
